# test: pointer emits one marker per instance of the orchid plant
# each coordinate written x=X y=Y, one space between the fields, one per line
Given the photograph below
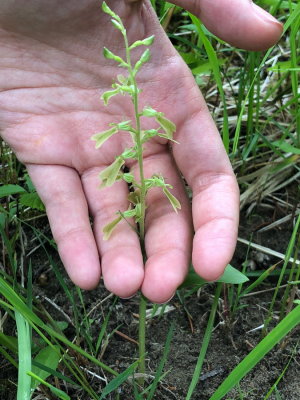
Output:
x=127 y=85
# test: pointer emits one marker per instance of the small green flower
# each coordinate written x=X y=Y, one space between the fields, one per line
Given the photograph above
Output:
x=112 y=173
x=101 y=137
x=145 y=42
x=109 y=228
x=172 y=199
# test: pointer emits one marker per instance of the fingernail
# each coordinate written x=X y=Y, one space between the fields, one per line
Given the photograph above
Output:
x=264 y=15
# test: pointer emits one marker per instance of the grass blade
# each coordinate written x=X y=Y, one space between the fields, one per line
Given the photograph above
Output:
x=282 y=272
x=288 y=23
x=16 y=301
x=24 y=344
x=205 y=343
x=59 y=393
x=249 y=362
x=116 y=382
x=217 y=75
x=162 y=363
x=104 y=327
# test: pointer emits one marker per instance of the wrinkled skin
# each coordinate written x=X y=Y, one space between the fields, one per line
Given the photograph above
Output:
x=52 y=74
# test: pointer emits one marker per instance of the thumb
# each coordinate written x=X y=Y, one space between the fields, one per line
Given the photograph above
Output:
x=238 y=22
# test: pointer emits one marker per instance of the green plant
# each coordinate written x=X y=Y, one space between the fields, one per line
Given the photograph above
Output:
x=138 y=186
x=127 y=85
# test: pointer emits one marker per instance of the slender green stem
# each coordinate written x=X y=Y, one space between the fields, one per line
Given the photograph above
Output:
x=139 y=146
x=138 y=140
x=142 y=336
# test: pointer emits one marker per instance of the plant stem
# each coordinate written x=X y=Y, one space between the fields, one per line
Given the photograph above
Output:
x=142 y=336
x=139 y=146
x=138 y=142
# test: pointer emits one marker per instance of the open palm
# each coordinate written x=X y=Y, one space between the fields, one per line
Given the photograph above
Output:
x=52 y=74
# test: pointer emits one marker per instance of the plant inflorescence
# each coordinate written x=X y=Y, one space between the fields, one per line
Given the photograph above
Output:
x=127 y=85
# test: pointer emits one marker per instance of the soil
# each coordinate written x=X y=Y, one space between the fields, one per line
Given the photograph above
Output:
x=233 y=337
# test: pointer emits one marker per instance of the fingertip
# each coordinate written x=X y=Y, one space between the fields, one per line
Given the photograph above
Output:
x=86 y=283
x=265 y=31
x=123 y=276
x=158 y=298
x=210 y=258
x=241 y=23
x=211 y=273
x=163 y=274
x=81 y=261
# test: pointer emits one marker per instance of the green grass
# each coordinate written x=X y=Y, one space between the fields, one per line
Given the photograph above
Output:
x=254 y=100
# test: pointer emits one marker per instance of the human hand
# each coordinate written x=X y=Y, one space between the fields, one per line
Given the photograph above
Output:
x=52 y=74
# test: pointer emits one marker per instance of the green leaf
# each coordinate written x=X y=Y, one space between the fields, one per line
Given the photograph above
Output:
x=144 y=58
x=231 y=275
x=145 y=42
x=286 y=147
x=111 y=56
x=8 y=190
x=102 y=137
x=112 y=173
x=109 y=228
x=107 y=95
x=116 y=382
x=174 y=202
x=168 y=126
x=32 y=200
x=49 y=356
